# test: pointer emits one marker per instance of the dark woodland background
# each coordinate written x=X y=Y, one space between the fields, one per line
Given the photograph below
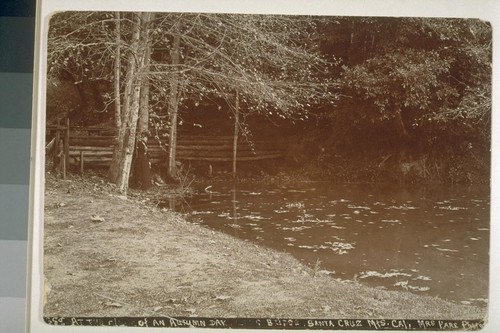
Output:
x=355 y=99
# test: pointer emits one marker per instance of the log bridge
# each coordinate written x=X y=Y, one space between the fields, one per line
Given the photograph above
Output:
x=93 y=147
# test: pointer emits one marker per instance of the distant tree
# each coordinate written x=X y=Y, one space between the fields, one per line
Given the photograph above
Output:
x=79 y=53
x=418 y=74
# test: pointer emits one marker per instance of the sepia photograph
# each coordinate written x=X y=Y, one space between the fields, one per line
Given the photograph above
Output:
x=221 y=170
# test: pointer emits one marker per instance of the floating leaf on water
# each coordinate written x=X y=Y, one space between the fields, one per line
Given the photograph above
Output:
x=475 y=300
x=423 y=278
x=341 y=248
x=391 y=221
x=445 y=250
x=402 y=284
x=358 y=207
x=402 y=207
x=296 y=228
x=295 y=205
x=382 y=275
x=451 y=208
x=254 y=217
x=194 y=212
x=322 y=221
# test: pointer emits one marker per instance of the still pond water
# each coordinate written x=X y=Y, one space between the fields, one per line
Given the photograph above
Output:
x=431 y=241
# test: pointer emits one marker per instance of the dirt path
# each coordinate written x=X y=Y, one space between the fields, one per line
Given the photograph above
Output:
x=109 y=255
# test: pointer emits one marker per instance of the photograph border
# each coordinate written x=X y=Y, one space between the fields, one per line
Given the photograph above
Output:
x=485 y=10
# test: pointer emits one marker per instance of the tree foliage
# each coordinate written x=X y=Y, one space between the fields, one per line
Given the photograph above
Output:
x=267 y=60
x=403 y=81
x=430 y=73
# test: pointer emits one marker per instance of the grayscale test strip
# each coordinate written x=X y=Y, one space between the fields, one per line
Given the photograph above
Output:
x=16 y=76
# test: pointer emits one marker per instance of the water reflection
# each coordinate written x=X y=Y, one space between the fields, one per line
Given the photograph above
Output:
x=425 y=240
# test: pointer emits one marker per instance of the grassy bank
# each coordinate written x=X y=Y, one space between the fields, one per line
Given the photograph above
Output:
x=110 y=255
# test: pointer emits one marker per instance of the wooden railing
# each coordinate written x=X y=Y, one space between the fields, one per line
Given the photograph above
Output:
x=94 y=147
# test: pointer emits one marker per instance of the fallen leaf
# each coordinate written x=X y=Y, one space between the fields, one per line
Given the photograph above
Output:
x=222 y=297
x=113 y=304
x=97 y=218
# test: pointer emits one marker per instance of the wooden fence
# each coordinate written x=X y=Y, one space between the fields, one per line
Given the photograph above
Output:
x=85 y=146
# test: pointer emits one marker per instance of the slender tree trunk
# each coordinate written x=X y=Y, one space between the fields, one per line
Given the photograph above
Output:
x=143 y=123
x=113 y=170
x=141 y=173
x=236 y=132
x=117 y=66
x=133 y=82
x=174 y=106
x=130 y=112
x=400 y=123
